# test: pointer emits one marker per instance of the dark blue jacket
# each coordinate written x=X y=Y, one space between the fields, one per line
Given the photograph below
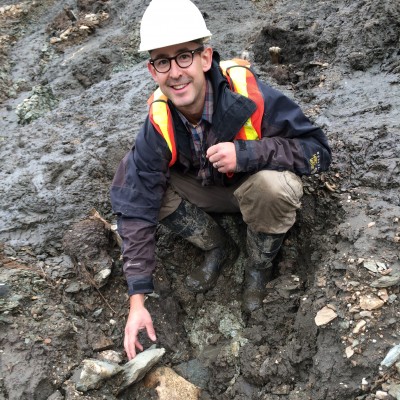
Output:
x=289 y=142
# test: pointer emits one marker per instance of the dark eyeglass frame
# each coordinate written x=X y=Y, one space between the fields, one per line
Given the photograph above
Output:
x=175 y=58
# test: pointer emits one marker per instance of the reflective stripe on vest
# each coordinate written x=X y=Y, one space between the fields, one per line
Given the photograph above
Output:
x=160 y=117
x=241 y=80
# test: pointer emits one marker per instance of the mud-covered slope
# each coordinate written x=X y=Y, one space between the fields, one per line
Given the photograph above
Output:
x=75 y=65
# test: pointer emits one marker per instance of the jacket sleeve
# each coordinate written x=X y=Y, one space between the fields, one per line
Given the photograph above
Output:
x=289 y=140
x=136 y=195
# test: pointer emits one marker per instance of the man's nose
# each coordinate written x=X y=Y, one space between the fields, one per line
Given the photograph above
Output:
x=175 y=70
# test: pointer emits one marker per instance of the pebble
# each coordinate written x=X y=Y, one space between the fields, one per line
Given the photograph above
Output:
x=359 y=326
x=386 y=281
x=324 y=316
x=371 y=302
x=111 y=356
x=392 y=356
x=381 y=395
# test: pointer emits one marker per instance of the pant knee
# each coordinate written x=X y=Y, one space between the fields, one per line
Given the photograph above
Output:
x=269 y=199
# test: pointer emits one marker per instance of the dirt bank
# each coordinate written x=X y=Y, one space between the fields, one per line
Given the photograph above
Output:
x=72 y=96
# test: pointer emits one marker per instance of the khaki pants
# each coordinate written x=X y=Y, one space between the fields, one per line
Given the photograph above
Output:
x=267 y=200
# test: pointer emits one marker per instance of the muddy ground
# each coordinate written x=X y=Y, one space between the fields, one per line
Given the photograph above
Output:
x=72 y=96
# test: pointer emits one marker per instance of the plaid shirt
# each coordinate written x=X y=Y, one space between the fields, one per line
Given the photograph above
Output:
x=199 y=134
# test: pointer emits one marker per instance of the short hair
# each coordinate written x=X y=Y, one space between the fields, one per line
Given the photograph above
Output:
x=205 y=41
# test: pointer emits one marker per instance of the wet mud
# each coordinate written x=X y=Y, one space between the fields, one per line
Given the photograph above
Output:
x=71 y=102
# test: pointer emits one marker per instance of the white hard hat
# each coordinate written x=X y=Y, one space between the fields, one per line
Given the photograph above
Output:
x=169 y=22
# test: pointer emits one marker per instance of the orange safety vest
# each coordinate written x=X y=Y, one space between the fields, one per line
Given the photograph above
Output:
x=241 y=80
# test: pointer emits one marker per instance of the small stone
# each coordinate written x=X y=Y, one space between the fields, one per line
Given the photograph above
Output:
x=47 y=341
x=392 y=356
x=386 y=281
x=370 y=265
x=395 y=390
x=97 y=312
x=74 y=287
x=381 y=395
x=383 y=294
x=366 y=314
x=111 y=356
x=349 y=351
x=324 y=316
x=359 y=326
x=371 y=302
x=392 y=298
x=101 y=277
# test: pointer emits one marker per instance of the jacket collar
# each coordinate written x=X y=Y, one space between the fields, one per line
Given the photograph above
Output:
x=231 y=110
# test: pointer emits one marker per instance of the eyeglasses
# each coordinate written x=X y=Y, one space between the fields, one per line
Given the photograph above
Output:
x=183 y=60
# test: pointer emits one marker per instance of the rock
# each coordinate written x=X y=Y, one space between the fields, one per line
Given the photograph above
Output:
x=134 y=370
x=349 y=351
x=39 y=102
x=370 y=265
x=371 y=302
x=111 y=356
x=169 y=385
x=395 y=391
x=381 y=395
x=324 y=316
x=101 y=277
x=360 y=325
x=392 y=356
x=386 y=281
x=73 y=287
x=94 y=372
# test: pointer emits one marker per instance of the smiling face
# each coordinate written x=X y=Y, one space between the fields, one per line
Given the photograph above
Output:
x=185 y=87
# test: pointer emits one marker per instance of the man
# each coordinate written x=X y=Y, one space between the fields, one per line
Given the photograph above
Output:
x=216 y=140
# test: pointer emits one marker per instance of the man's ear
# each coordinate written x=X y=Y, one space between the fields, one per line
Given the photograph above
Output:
x=152 y=71
x=206 y=58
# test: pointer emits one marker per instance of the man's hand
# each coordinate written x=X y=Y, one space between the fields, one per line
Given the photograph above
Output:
x=138 y=319
x=223 y=157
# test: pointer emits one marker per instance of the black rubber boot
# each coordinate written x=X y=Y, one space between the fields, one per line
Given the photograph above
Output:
x=196 y=226
x=262 y=249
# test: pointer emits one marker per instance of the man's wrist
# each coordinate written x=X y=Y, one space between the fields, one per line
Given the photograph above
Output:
x=136 y=301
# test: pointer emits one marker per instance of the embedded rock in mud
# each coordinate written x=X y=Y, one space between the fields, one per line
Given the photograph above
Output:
x=340 y=61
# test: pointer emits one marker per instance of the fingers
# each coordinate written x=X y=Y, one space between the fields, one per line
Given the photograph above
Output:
x=223 y=157
x=130 y=344
x=211 y=151
x=151 y=332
